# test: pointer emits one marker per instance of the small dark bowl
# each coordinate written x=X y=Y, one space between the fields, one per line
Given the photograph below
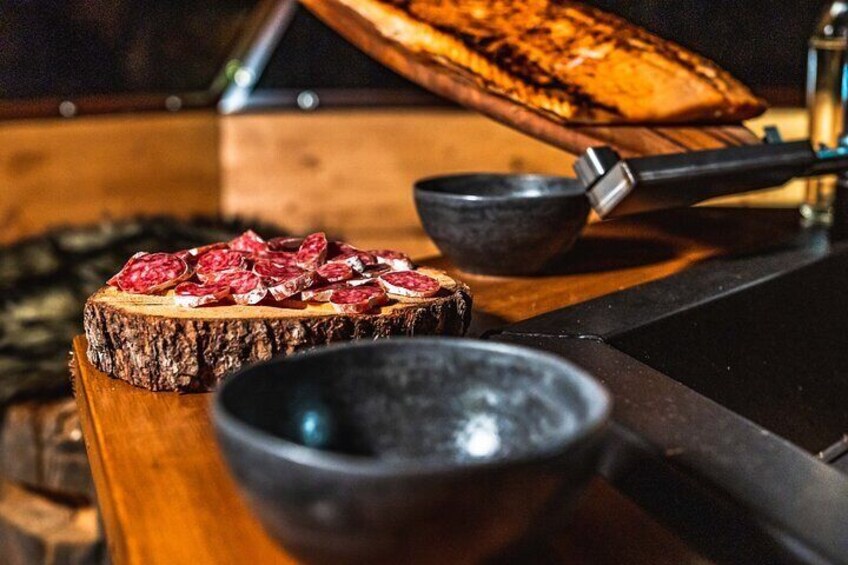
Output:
x=502 y=224
x=422 y=450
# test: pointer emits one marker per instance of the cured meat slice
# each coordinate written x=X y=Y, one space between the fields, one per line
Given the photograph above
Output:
x=340 y=248
x=114 y=280
x=312 y=252
x=335 y=272
x=268 y=269
x=284 y=258
x=395 y=259
x=361 y=282
x=197 y=252
x=358 y=300
x=351 y=259
x=193 y=295
x=249 y=242
x=409 y=283
x=245 y=286
x=218 y=261
x=285 y=282
x=370 y=275
x=285 y=243
x=376 y=271
x=151 y=273
x=341 y=251
x=321 y=293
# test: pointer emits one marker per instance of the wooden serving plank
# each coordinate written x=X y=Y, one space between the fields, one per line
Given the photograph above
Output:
x=150 y=342
x=164 y=493
x=442 y=80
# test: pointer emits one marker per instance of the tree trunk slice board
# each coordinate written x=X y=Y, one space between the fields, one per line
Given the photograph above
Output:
x=629 y=140
x=150 y=342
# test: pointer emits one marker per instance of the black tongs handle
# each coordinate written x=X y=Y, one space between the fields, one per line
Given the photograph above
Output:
x=617 y=187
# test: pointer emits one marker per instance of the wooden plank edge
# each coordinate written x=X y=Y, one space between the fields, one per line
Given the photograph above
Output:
x=119 y=552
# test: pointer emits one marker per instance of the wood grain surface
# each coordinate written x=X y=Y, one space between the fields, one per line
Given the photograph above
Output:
x=167 y=497
x=58 y=172
x=446 y=82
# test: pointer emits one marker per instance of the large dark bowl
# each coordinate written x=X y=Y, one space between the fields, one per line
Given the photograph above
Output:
x=502 y=224
x=421 y=450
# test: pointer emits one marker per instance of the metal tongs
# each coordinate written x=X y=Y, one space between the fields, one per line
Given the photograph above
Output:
x=618 y=187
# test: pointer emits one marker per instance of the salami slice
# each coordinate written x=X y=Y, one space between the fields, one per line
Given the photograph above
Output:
x=249 y=242
x=335 y=272
x=321 y=293
x=196 y=252
x=193 y=295
x=361 y=282
x=312 y=252
x=245 y=286
x=351 y=259
x=151 y=273
x=217 y=261
x=395 y=259
x=114 y=280
x=285 y=243
x=284 y=258
x=357 y=300
x=268 y=269
x=376 y=271
x=409 y=283
x=284 y=282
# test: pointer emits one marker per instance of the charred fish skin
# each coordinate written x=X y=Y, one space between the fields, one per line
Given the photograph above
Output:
x=572 y=62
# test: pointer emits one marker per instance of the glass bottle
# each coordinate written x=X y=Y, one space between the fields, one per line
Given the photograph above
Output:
x=827 y=91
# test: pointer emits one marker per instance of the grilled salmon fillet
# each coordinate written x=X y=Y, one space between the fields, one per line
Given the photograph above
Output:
x=570 y=61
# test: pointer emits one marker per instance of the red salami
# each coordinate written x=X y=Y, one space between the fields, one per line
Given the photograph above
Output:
x=197 y=252
x=312 y=252
x=245 y=286
x=193 y=295
x=366 y=258
x=376 y=271
x=151 y=273
x=352 y=260
x=360 y=282
x=284 y=282
x=268 y=269
x=290 y=270
x=321 y=293
x=218 y=261
x=395 y=259
x=249 y=242
x=114 y=280
x=284 y=258
x=285 y=243
x=335 y=272
x=357 y=300
x=409 y=283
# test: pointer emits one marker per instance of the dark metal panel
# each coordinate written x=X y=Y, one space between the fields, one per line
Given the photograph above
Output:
x=739 y=492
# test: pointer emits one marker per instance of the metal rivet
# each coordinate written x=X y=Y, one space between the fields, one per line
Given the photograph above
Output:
x=173 y=103
x=68 y=109
x=307 y=100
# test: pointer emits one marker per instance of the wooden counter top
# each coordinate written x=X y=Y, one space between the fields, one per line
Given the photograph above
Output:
x=167 y=498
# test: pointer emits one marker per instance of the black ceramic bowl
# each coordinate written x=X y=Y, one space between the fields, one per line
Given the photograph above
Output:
x=502 y=224
x=421 y=450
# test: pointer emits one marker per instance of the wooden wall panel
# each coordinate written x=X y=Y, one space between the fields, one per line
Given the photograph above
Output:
x=351 y=172
x=74 y=171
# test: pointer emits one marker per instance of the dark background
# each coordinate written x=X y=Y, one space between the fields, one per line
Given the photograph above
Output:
x=78 y=47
